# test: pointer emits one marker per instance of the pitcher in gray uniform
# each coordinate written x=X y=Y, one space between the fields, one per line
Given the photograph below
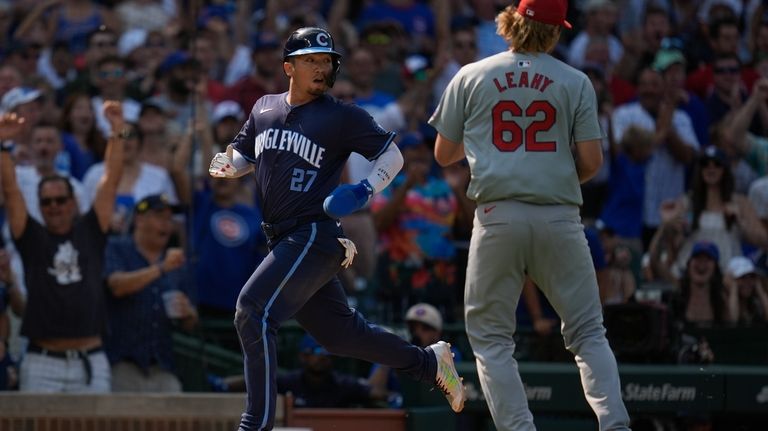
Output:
x=527 y=124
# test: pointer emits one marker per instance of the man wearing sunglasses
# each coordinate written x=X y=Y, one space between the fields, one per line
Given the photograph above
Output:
x=63 y=257
x=723 y=36
x=111 y=82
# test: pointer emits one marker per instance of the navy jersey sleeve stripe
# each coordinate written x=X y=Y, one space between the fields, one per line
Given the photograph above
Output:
x=391 y=136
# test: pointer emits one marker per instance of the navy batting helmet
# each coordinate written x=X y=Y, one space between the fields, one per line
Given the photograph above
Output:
x=313 y=40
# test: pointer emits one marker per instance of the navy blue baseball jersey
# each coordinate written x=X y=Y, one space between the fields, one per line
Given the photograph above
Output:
x=299 y=152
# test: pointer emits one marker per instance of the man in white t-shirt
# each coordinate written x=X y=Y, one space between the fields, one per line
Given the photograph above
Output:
x=675 y=144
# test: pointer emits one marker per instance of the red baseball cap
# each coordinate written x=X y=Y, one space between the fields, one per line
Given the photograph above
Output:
x=550 y=12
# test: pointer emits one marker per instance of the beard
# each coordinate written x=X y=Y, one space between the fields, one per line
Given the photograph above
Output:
x=316 y=91
x=319 y=89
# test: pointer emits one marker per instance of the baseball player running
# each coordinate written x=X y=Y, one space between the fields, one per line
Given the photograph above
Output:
x=527 y=124
x=296 y=143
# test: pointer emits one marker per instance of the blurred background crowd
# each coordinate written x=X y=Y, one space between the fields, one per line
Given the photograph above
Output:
x=677 y=219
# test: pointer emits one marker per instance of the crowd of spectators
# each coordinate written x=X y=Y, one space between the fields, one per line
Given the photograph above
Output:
x=680 y=204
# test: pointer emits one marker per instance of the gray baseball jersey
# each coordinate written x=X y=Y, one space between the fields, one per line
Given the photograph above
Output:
x=518 y=115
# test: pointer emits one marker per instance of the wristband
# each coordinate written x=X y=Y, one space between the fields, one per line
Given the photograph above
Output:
x=368 y=187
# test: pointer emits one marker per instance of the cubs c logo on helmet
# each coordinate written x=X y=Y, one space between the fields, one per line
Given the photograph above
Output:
x=322 y=39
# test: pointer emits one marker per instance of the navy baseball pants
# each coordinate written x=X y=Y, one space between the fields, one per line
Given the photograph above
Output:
x=297 y=279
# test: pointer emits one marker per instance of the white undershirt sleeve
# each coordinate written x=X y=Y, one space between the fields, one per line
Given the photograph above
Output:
x=239 y=162
x=385 y=168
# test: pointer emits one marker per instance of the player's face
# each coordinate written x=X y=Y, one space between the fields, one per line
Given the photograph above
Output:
x=309 y=73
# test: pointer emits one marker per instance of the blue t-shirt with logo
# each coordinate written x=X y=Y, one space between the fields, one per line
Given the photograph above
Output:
x=229 y=245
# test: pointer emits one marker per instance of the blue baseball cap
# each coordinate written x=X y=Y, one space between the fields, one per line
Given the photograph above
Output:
x=212 y=12
x=156 y=203
x=706 y=247
x=410 y=140
x=264 y=41
x=174 y=59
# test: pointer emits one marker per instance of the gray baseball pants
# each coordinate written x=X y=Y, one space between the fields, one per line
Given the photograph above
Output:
x=510 y=238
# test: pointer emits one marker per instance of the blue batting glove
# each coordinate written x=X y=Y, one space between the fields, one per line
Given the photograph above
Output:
x=347 y=198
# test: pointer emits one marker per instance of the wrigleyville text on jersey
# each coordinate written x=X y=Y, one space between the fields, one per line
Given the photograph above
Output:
x=288 y=140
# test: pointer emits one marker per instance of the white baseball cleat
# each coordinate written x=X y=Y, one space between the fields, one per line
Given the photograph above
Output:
x=447 y=378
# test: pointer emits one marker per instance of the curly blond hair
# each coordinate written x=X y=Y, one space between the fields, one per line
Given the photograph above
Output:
x=526 y=35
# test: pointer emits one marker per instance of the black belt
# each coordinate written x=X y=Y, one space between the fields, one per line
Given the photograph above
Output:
x=276 y=230
x=69 y=354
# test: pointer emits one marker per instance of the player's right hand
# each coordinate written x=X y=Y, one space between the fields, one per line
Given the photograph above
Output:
x=221 y=166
